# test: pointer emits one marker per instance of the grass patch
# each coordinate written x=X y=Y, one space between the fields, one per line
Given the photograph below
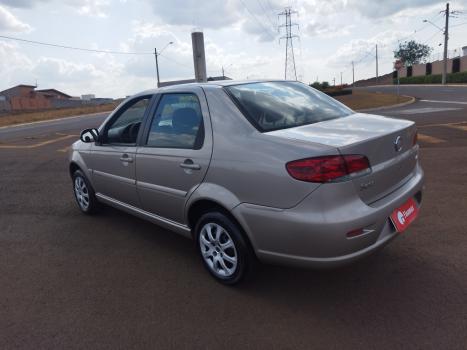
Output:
x=28 y=117
x=364 y=99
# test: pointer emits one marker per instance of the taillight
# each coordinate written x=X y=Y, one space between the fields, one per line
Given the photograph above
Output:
x=415 y=138
x=328 y=168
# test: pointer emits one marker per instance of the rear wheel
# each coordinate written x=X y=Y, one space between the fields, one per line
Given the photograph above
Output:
x=222 y=248
x=84 y=193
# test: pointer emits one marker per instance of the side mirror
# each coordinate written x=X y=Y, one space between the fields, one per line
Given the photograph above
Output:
x=89 y=135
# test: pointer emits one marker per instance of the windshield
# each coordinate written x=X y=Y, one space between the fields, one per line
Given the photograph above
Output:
x=280 y=105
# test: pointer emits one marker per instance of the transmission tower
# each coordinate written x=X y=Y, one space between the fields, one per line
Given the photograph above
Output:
x=290 y=69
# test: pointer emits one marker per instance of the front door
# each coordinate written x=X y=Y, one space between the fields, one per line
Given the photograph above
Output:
x=175 y=153
x=113 y=159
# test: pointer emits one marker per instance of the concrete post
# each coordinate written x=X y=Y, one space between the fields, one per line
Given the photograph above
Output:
x=446 y=38
x=199 y=58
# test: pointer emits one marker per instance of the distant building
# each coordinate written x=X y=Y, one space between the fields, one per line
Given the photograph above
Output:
x=88 y=97
x=23 y=97
x=26 y=97
x=52 y=93
x=188 y=81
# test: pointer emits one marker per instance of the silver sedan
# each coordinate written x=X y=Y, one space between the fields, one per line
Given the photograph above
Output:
x=267 y=170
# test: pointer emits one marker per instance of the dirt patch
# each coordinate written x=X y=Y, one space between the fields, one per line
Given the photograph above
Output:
x=11 y=119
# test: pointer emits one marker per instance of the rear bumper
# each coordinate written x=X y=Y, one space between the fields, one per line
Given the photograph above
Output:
x=314 y=233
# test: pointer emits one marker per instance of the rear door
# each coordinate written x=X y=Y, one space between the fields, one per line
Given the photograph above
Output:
x=175 y=153
x=113 y=158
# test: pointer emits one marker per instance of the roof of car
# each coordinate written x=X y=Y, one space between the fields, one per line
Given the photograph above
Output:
x=219 y=83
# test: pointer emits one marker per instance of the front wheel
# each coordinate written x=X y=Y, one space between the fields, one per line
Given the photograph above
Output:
x=222 y=248
x=84 y=193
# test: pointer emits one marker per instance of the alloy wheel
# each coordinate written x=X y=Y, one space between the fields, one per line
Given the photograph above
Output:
x=82 y=193
x=218 y=250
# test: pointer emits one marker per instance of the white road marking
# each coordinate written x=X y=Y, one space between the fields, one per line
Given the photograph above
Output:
x=426 y=110
x=449 y=102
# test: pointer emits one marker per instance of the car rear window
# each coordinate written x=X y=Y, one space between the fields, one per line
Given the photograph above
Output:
x=280 y=105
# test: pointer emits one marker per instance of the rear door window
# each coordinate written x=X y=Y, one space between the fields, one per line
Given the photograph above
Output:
x=178 y=123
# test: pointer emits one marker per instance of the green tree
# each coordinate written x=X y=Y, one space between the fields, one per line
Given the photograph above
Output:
x=411 y=52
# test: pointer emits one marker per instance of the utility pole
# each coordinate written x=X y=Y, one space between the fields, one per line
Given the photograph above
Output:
x=199 y=57
x=223 y=75
x=289 y=52
x=156 y=55
x=376 y=63
x=157 y=67
x=446 y=38
x=341 y=78
x=333 y=81
x=353 y=74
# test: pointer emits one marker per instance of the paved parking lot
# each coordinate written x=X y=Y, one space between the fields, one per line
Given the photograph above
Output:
x=115 y=282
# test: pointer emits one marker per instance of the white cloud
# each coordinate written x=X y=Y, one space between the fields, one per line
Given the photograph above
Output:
x=11 y=60
x=363 y=51
x=325 y=30
x=385 y=8
x=195 y=13
x=255 y=17
x=8 y=22
x=370 y=8
x=21 y=3
x=58 y=69
x=96 y=8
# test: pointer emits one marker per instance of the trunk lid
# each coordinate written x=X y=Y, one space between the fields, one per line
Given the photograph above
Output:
x=387 y=142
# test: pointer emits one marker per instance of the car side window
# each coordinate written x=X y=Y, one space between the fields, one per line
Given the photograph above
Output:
x=178 y=123
x=124 y=129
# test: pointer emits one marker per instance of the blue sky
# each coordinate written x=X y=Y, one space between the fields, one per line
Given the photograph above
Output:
x=240 y=35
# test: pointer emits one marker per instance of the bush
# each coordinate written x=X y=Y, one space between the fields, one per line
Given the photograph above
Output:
x=337 y=92
x=316 y=85
x=460 y=77
x=453 y=78
x=320 y=86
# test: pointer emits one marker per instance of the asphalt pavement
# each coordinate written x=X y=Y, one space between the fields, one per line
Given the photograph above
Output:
x=112 y=281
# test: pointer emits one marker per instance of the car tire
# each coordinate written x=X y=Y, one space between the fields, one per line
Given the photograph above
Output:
x=84 y=193
x=222 y=248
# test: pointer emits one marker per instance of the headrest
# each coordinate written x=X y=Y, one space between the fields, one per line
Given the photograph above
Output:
x=185 y=119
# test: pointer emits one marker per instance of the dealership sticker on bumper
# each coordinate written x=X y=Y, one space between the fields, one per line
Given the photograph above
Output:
x=403 y=216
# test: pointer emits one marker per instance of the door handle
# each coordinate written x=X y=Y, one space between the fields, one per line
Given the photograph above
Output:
x=126 y=158
x=188 y=164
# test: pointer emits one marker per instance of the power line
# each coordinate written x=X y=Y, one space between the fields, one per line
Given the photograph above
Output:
x=430 y=39
x=74 y=48
x=265 y=30
x=368 y=53
x=266 y=13
x=270 y=6
x=458 y=24
x=169 y=59
x=420 y=29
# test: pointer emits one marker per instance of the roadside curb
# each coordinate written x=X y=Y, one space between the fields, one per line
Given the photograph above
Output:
x=53 y=120
x=412 y=100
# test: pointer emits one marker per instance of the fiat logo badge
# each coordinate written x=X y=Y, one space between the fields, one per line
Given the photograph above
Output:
x=398 y=144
